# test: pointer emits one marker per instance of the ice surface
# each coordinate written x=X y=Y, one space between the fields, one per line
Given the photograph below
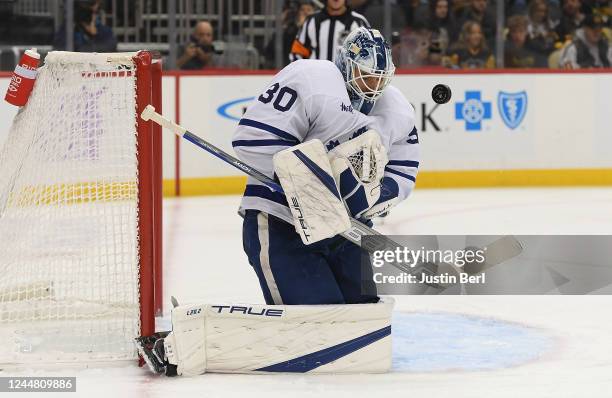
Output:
x=445 y=346
x=435 y=342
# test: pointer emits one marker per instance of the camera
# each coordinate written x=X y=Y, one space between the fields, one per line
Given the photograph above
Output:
x=209 y=48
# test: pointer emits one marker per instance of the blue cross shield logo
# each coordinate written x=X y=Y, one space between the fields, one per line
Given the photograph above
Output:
x=473 y=111
x=512 y=107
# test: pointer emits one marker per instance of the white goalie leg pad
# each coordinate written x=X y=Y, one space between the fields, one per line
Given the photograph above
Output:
x=351 y=338
x=185 y=346
x=306 y=176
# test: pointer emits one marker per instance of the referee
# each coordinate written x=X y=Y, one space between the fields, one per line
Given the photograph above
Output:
x=323 y=31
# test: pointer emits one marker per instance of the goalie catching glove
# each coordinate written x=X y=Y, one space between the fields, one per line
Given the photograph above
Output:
x=358 y=166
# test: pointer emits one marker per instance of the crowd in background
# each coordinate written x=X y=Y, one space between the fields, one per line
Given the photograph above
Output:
x=462 y=33
x=438 y=33
x=537 y=34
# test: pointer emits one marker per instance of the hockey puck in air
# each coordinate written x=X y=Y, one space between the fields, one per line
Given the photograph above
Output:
x=441 y=93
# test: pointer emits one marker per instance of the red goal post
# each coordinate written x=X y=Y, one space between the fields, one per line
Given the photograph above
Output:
x=81 y=213
x=148 y=91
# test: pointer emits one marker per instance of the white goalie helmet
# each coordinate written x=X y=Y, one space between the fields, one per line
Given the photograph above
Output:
x=364 y=59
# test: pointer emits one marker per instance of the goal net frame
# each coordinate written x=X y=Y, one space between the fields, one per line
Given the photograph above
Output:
x=149 y=91
x=147 y=73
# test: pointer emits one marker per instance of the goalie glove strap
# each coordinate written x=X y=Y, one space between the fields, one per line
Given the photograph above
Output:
x=389 y=197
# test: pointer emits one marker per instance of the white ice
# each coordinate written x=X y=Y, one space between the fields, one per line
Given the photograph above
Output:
x=203 y=261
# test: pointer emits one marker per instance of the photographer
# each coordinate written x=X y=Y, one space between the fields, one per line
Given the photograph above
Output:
x=199 y=52
x=90 y=34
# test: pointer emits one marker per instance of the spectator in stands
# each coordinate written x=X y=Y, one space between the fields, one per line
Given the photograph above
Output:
x=570 y=19
x=458 y=7
x=471 y=51
x=589 y=49
x=593 y=6
x=294 y=16
x=514 y=7
x=306 y=9
x=424 y=40
x=403 y=13
x=541 y=36
x=602 y=8
x=412 y=48
x=479 y=11
x=441 y=23
x=516 y=54
x=325 y=30
x=199 y=53
x=90 y=34
x=415 y=12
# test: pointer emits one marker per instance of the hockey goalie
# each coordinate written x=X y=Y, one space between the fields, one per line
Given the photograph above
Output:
x=342 y=143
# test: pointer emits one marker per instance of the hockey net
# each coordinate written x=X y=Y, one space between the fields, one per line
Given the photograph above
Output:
x=80 y=212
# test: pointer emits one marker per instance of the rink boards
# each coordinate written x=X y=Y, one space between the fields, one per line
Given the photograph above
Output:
x=499 y=129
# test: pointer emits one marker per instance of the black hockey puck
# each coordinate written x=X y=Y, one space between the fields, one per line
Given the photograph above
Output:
x=441 y=93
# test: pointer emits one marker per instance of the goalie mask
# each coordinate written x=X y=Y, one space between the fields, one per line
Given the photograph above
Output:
x=364 y=59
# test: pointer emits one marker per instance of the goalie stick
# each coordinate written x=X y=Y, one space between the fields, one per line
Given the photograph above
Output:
x=354 y=234
x=509 y=248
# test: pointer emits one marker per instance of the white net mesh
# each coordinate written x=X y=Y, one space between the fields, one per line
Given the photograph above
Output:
x=364 y=165
x=69 y=214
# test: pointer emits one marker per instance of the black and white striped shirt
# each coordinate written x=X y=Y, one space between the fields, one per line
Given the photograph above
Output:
x=321 y=33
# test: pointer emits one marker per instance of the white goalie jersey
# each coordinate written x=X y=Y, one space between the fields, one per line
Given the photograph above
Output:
x=308 y=100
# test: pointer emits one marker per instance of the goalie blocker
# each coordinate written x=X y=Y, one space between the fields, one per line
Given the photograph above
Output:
x=229 y=338
x=305 y=174
x=324 y=189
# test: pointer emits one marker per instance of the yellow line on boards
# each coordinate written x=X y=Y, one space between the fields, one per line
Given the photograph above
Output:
x=514 y=178
x=206 y=186
x=428 y=179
